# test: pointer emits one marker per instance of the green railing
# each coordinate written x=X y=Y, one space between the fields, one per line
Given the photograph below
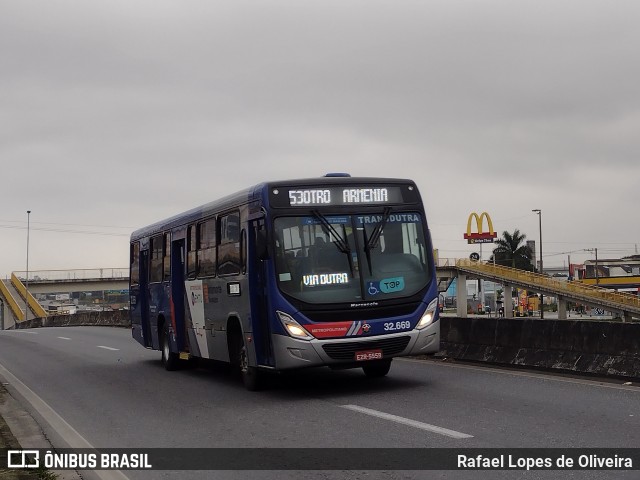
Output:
x=621 y=300
x=45 y=276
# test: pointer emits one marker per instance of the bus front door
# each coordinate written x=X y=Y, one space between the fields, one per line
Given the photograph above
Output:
x=259 y=297
x=178 y=292
x=144 y=298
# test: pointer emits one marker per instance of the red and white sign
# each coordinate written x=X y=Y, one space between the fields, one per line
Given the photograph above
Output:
x=337 y=329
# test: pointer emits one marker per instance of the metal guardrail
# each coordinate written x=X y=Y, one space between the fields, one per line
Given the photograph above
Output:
x=446 y=262
x=33 y=303
x=79 y=274
x=13 y=304
x=620 y=300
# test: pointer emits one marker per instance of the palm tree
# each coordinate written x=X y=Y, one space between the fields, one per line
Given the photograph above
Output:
x=511 y=252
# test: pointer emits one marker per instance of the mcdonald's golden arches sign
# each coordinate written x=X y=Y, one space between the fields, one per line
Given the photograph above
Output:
x=481 y=236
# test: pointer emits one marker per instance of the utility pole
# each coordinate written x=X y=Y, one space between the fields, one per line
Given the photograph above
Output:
x=480 y=286
x=26 y=280
x=539 y=212
x=596 y=252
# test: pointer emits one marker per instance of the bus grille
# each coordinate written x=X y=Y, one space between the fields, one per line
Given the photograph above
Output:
x=355 y=314
x=347 y=350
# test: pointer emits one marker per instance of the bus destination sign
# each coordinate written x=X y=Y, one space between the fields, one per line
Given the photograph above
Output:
x=346 y=195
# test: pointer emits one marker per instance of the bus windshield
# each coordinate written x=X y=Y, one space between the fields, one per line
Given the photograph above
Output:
x=351 y=258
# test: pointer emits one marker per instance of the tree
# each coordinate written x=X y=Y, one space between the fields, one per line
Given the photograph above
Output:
x=512 y=252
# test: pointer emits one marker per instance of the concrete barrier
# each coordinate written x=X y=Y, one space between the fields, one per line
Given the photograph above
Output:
x=118 y=318
x=594 y=347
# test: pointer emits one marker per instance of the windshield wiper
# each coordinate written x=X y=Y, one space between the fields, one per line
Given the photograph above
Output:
x=340 y=242
x=372 y=242
x=377 y=231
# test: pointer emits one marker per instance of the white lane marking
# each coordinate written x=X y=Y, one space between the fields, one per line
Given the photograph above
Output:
x=108 y=348
x=64 y=338
x=407 y=421
x=26 y=331
x=540 y=376
x=69 y=434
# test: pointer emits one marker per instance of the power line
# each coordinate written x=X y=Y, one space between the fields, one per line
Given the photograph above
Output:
x=68 y=224
x=58 y=230
x=596 y=243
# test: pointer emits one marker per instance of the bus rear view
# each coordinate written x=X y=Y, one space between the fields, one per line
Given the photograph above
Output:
x=338 y=272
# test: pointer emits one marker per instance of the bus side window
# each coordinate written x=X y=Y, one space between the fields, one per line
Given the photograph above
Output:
x=243 y=251
x=134 y=266
x=155 y=272
x=192 y=252
x=206 y=256
x=229 y=262
x=166 y=259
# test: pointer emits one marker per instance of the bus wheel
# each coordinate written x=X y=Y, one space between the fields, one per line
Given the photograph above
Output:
x=251 y=376
x=377 y=369
x=170 y=360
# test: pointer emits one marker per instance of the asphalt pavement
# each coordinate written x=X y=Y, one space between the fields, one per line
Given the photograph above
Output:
x=98 y=386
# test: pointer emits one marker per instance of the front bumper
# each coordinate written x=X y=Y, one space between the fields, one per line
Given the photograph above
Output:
x=292 y=353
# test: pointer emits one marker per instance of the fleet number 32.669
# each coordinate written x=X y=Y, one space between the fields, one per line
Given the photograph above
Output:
x=404 y=325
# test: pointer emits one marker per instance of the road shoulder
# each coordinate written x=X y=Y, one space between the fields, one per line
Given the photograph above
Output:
x=19 y=429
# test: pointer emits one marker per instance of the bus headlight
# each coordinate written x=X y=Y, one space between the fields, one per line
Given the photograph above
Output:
x=292 y=327
x=429 y=315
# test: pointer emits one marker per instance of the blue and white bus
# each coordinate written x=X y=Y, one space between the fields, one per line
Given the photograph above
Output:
x=335 y=271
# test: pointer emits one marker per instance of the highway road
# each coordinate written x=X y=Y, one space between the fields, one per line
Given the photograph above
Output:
x=109 y=391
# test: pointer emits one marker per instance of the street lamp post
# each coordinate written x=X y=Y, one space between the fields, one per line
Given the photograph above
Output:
x=26 y=281
x=539 y=212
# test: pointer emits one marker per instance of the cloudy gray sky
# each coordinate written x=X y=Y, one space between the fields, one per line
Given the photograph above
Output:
x=115 y=114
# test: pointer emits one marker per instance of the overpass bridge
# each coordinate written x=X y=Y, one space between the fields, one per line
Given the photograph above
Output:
x=12 y=291
x=63 y=283
x=626 y=305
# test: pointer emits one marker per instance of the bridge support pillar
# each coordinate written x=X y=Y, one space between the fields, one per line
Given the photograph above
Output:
x=508 y=301
x=626 y=317
x=562 y=308
x=461 y=295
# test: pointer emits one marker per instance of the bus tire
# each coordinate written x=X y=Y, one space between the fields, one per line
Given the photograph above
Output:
x=251 y=376
x=170 y=360
x=377 y=369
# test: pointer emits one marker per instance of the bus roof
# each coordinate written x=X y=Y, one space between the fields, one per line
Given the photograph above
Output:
x=251 y=194
x=335 y=180
x=224 y=203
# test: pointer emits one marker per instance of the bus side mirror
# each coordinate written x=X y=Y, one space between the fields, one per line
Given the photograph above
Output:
x=262 y=252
